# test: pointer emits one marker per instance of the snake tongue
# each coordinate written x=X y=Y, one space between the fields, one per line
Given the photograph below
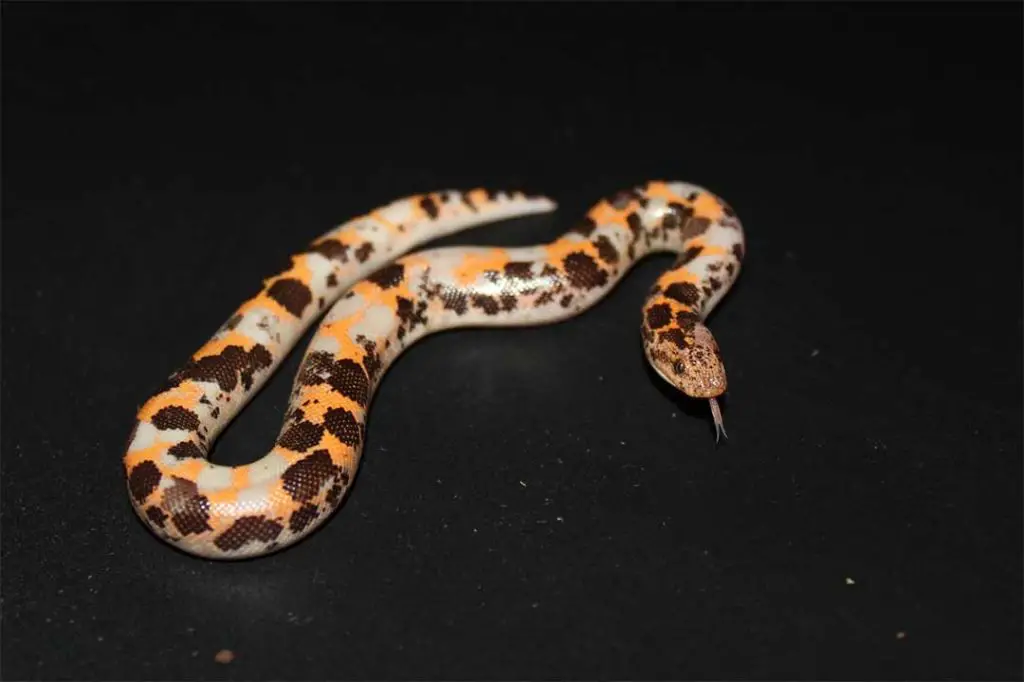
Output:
x=716 y=414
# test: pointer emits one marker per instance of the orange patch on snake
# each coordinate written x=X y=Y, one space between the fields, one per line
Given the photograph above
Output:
x=606 y=214
x=339 y=331
x=152 y=453
x=239 y=477
x=478 y=197
x=475 y=264
x=222 y=496
x=707 y=206
x=660 y=190
x=557 y=251
x=186 y=468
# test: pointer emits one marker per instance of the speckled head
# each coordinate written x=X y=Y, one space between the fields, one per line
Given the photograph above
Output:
x=686 y=355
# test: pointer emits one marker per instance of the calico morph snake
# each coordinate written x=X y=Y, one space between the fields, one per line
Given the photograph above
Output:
x=385 y=303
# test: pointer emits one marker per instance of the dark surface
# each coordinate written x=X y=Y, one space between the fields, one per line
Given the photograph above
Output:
x=532 y=503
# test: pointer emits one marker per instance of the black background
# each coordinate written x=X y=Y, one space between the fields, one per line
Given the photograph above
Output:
x=532 y=503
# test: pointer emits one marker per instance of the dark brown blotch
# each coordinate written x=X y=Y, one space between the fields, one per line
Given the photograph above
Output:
x=454 y=299
x=344 y=426
x=388 y=276
x=186 y=450
x=695 y=227
x=156 y=516
x=430 y=206
x=689 y=255
x=303 y=480
x=636 y=228
x=675 y=336
x=583 y=272
x=518 y=270
x=176 y=417
x=190 y=511
x=226 y=368
x=301 y=436
x=302 y=517
x=411 y=313
x=258 y=358
x=687 y=320
x=486 y=303
x=334 y=495
x=636 y=224
x=292 y=294
x=677 y=216
x=143 y=479
x=684 y=292
x=333 y=249
x=659 y=315
x=364 y=251
x=348 y=378
x=372 y=361
x=248 y=529
x=606 y=251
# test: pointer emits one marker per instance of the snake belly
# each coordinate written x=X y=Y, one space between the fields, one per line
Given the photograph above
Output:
x=379 y=303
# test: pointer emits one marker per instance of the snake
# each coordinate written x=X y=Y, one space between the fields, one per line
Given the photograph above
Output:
x=376 y=296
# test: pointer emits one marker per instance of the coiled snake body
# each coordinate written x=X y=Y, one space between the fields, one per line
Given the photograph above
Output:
x=385 y=303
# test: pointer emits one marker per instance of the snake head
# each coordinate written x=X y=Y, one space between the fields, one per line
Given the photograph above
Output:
x=686 y=355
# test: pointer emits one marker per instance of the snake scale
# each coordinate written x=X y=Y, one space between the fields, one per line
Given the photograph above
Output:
x=378 y=302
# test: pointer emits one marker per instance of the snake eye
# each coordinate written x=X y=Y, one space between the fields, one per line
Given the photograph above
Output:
x=677 y=367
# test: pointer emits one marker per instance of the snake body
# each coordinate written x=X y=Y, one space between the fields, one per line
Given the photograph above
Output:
x=380 y=303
